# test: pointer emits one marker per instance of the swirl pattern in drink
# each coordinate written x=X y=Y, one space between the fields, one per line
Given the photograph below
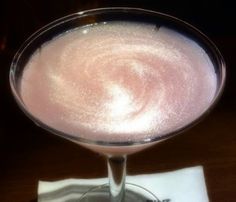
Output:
x=119 y=81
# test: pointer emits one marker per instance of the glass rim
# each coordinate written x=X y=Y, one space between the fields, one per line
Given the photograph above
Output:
x=204 y=39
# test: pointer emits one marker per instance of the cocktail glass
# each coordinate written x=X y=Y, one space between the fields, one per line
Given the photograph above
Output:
x=115 y=151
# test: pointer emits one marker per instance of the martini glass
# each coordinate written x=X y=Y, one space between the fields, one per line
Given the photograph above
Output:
x=116 y=151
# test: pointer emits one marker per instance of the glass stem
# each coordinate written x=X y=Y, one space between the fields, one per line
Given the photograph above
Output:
x=117 y=173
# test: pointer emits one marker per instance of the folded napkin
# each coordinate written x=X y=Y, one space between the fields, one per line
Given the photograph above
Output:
x=184 y=185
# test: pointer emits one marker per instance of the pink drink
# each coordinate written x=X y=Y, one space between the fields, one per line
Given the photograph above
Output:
x=118 y=82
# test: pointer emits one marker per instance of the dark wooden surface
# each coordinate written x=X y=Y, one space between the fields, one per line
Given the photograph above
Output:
x=28 y=153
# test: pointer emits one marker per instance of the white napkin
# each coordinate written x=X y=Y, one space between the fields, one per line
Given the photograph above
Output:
x=184 y=185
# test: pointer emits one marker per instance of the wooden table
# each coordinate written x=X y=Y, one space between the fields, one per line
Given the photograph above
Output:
x=28 y=153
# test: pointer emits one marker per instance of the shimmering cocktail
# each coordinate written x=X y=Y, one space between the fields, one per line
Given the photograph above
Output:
x=117 y=80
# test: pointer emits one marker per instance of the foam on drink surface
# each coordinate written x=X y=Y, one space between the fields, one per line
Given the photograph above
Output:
x=118 y=82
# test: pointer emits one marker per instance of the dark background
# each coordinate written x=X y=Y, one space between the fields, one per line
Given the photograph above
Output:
x=27 y=153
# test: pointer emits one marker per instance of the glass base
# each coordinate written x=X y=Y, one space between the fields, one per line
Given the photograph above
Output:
x=133 y=193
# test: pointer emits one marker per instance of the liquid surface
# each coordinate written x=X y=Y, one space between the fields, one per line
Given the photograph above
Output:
x=118 y=82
